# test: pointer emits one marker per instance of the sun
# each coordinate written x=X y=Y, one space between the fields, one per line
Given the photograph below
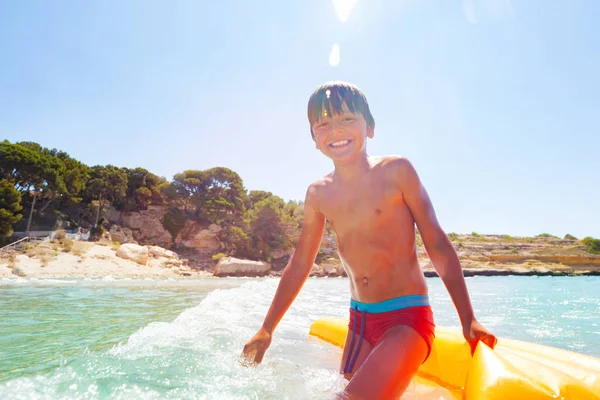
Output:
x=344 y=8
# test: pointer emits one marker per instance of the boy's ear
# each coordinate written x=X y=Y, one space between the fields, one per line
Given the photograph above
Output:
x=370 y=131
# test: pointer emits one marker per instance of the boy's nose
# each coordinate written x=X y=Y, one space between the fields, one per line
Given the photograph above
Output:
x=336 y=125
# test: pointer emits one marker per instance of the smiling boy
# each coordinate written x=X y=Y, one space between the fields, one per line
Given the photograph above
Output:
x=372 y=204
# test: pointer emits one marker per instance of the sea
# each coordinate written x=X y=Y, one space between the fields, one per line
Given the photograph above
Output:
x=182 y=338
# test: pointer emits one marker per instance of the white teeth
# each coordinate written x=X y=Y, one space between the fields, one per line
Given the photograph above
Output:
x=340 y=143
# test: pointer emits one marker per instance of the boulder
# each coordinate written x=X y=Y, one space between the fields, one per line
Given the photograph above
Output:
x=156 y=251
x=121 y=235
x=132 y=220
x=146 y=226
x=205 y=241
x=229 y=266
x=329 y=268
x=316 y=270
x=279 y=253
x=215 y=228
x=134 y=252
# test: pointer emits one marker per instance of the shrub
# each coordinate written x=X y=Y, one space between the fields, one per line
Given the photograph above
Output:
x=218 y=256
x=45 y=260
x=37 y=251
x=79 y=248
x=570 y=237
x=66 y=244
x=546 y=235
x=60 y=234
x=174 y=221
x=453 y=236
x=96 y=233
x=593 y=245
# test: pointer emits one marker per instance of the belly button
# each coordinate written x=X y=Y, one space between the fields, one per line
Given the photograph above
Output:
x=365 y=281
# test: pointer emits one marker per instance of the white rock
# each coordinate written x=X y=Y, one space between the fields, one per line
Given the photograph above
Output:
x=229 y=266
x=157 y=251
x=134 y=252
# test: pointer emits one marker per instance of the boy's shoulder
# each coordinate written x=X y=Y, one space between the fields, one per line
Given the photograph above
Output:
x=398 y=170
x=394 y=164
x=319 y=185
x=317 y=189
x=391 y=160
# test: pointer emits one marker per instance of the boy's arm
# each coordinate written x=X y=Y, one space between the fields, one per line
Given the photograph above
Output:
x=293 y=277
x=441 y=252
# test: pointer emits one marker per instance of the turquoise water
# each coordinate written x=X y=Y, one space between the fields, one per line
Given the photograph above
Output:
x=180 y=339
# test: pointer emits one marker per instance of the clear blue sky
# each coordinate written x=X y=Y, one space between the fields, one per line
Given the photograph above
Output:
x=496 y=102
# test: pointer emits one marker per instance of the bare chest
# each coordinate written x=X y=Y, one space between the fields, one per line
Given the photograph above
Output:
x=361 y=208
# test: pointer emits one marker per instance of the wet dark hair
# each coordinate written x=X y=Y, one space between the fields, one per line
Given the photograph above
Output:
x=331 y=96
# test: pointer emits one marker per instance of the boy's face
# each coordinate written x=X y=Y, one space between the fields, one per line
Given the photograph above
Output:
x=343 y=135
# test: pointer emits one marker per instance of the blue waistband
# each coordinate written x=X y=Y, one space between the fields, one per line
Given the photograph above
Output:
x=391 y=304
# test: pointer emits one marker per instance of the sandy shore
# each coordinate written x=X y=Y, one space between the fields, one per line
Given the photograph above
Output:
x=86 y=260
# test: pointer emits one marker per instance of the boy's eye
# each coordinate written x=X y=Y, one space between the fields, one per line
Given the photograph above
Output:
x=348 y=119
x=322 y=124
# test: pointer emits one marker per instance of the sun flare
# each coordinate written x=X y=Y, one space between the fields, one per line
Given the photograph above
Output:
x=334 y=56
x=344 y=8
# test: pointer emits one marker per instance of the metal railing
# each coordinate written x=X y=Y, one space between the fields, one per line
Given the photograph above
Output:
x=42 y=236
x=21 y=243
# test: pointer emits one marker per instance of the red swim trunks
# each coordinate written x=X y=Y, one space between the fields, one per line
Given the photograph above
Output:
x=378 y=318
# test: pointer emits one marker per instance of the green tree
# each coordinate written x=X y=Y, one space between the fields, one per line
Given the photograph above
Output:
x=171 y=194
x=75 y=178
x=72 y=176
x=33 y=171
x=174 y=221
x=254 y=196
x=271 y=227
x=188 y=185
x=107 y=184
x=214 y=193
x=224 y=194
x=19 y=165
x=10 y=207
x=143 y=189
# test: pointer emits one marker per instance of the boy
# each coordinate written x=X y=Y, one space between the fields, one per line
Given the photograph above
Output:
x=372 y=204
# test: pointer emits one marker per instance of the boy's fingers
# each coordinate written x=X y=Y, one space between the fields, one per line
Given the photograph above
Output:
x=259 y=356
x=249 y=351
x=490 y=340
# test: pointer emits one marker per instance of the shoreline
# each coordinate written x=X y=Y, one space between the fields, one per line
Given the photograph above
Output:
x=152 y=273
x=82 y=260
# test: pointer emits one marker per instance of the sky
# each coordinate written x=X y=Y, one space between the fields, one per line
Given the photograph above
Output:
x=495 y=102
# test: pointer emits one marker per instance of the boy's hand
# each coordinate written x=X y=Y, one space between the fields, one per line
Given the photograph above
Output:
x=255 y=349
x=475 y=332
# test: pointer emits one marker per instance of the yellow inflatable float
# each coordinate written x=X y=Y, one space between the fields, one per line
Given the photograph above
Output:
x=513 y=370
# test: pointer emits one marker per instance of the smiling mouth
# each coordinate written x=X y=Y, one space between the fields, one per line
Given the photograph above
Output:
x=340 y=144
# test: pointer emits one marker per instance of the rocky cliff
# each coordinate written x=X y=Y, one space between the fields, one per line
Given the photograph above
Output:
x=479 y=254
x=503 y=254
